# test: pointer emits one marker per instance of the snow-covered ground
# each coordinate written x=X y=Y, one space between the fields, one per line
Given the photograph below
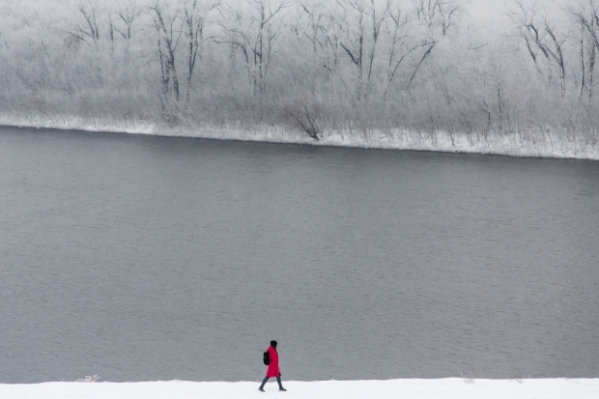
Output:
x=545 y=144
x=449 y=388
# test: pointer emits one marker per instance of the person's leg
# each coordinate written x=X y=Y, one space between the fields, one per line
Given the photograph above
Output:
x=280 y=385
x=263 y=382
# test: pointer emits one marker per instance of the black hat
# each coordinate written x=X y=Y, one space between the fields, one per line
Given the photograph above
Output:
x=273 y=344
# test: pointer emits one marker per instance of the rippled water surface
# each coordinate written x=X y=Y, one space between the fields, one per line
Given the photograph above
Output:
x=148 y=258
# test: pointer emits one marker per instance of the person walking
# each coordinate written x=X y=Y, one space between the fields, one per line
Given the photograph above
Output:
x=273 y=367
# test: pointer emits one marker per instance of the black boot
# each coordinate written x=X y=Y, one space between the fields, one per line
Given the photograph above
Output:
x=261 y=389
x=280 y=385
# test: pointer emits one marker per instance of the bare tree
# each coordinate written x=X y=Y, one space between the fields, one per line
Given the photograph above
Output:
x=128 y=18
x=587 y=16
x=305 y=110
x=360 y=23
x=195 y=13
x=315 y=26
x=319 y=30
x=125 y=26
x=400 y=46
x=351 y=22
x=169 y=36
x=437 y=17
x=254 y=33
x=89 y=30
x=541 y=36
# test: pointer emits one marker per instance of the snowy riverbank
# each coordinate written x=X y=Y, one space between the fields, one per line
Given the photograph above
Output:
x=391 y=389
x=545 y=144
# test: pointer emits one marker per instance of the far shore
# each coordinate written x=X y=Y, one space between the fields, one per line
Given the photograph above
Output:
x=546 y=144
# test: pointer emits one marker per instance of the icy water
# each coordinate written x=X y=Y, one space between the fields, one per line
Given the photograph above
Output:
x=146 y=258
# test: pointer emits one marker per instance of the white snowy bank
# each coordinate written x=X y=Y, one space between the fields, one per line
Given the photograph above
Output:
x=392 y=389
x=546 y=144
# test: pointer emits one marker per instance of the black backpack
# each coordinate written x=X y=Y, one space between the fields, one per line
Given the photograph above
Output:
x=266 y=358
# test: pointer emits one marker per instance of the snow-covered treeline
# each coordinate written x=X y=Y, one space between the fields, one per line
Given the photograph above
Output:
x=314 y=65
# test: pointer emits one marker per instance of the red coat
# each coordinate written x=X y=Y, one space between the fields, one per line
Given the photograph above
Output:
x=273 y=367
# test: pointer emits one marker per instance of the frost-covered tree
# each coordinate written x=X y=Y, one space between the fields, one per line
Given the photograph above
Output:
x=420 y=65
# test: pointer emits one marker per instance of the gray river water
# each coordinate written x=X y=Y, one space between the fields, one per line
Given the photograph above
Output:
x=149 y=258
